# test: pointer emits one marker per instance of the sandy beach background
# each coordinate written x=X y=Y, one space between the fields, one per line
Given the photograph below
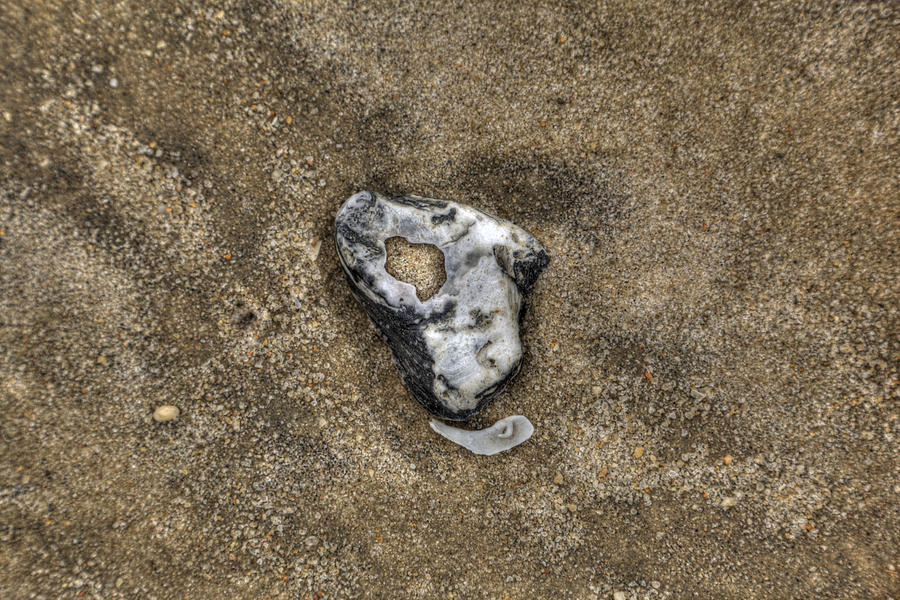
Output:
x=711 y=356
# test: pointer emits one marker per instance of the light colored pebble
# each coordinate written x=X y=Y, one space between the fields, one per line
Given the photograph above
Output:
x=727 y=460
x=618 y=595
x=639 y=452
x=165 y=413
x=729 y=502
x=113 y=83
x=558 y=479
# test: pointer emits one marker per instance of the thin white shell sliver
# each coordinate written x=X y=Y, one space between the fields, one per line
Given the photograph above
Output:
x=504 y=434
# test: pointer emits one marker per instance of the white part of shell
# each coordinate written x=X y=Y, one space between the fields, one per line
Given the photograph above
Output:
x=502 y=435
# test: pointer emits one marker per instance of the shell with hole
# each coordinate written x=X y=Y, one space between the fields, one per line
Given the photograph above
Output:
x=460 y=347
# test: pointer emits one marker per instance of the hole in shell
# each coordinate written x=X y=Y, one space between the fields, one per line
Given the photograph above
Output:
x=421 y=265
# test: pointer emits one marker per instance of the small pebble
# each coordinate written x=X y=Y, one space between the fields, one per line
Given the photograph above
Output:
x=558 y=479
x=639 y=452
x=729 y=502
x=165 y=413
x=655 y=585
x=572 y=507
x=727 y=460
x=618 y=595
x=113 y=83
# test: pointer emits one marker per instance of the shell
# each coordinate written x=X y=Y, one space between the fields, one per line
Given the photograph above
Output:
x=504 y=434
x=458 y=349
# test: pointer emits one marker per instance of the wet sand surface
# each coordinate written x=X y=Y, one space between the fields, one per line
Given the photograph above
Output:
x=711 y=356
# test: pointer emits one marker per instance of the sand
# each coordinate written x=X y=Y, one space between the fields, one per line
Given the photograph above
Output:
x=711 y=356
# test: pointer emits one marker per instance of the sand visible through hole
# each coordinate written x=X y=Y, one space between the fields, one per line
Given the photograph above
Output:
x=421 y=265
